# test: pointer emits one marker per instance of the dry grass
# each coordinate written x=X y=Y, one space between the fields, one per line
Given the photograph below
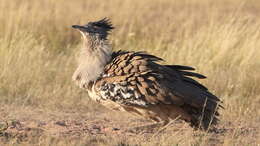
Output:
x=220 y=38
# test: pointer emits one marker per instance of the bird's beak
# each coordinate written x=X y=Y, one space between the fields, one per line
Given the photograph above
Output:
x=78 y=27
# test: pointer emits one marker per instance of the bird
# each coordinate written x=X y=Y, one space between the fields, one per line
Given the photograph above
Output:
x=136 y=82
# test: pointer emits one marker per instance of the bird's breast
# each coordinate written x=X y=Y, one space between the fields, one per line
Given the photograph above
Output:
x=95 y=96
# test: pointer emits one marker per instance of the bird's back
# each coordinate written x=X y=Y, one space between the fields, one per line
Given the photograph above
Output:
x=137 y=83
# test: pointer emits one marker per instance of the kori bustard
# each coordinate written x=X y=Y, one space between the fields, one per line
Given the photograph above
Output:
x=135 y=81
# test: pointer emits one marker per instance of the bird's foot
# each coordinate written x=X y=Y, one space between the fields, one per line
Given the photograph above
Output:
x=151 y=128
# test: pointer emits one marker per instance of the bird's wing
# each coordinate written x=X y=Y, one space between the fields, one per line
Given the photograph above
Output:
x=136 y=78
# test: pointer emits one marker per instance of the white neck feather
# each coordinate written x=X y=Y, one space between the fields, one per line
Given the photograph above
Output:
x=94 y=55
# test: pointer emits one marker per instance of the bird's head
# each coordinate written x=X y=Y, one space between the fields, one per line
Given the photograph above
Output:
x=98 y=29
x=95 y=52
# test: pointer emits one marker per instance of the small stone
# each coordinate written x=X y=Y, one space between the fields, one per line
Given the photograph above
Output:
x=61 y=123
x=115 y=129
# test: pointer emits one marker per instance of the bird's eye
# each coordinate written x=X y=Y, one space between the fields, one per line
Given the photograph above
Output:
x=96 y=27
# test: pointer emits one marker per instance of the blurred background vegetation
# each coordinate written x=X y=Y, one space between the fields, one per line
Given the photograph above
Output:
x=221 y=39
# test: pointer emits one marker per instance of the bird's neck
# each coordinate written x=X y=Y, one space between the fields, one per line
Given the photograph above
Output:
x=93 y=57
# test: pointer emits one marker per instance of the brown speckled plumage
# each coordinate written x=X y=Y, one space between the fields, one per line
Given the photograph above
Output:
x=135 y=82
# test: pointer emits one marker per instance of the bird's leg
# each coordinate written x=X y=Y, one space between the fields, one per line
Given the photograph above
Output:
x=166 y=124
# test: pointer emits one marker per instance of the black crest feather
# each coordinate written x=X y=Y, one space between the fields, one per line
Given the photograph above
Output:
x=104 y=23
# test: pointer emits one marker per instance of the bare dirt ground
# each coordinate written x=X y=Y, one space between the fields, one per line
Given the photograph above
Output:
x=101 y=128
x=40 y=105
